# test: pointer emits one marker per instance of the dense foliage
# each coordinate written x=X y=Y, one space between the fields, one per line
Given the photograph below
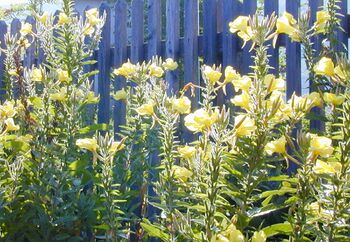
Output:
x=182 y=167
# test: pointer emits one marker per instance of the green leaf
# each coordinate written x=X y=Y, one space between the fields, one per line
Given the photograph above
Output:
x=282 y=228
x=154 y=231
x=93 y=127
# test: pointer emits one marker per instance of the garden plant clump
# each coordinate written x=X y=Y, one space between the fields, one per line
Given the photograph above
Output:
x=183 y=167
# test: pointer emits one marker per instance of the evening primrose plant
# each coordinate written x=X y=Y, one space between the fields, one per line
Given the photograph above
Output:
x=65 y=177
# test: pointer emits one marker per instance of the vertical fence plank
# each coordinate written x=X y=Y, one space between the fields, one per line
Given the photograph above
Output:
x=293 y=55
x=316 y=40
x=191 y=53
x=104 y=61
x=219 y=13
x=137 y=31
x=249 y=8
x=293 y=59
x=120 y=56
x=271 y=6
x=210 y=31
x=342 y=35
x=230 y=48
x=29 y=57
x=172 y=40
x=154 y=28
x=154 y=49
x=15 y=26
x=3 y=31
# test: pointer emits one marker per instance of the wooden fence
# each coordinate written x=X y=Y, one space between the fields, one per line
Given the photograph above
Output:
x=204 y=35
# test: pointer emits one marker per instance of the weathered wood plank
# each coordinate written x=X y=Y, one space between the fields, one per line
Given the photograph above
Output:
x=191 y=72
x=154 y=28
x=317 y=43
x=104 y=61
x=293 y=59
x=137 y=31
x=172 y=41
x=120 y=40
x=209 y=31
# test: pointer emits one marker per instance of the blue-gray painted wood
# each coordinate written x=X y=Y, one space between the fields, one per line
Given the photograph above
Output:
x=317 y=125
x=154 y=28
x=172 y=41
x=210 y=13
x=191 y=73
x=29 y=57
x=120 y=56
x=3 y=32
x=104 y=61
x=137 y=31
x=249 y=9
x=230 y=47
x=293 y=59
x=271 y=6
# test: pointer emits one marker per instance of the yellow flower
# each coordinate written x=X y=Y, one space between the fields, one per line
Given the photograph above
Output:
x=37 y=75
x=26 y=29
x=324 y=67
x=10 y=125
x=244 y=125
x=239 y=24
x=43 y=18
x=233 y=234
x=59 y=96
x=87 y=143
x=333 y=99
x=285 y=24
x=155 y=71
x=145 y=109
x=63 y=19
x=220 y=238
x=62 y=75
x=23 y=42
x=315 y=98
x=246 y=35
x=181 y=105
x=241 y=100
x=259 y=236
x=274 y=84
x=170 y=64
x=231 y=74
x=322 y=167
x=91 y=98
x=92 y=16
x=181 y=173
x=276 y=146
x=120 y=95
x=127 y=70
x=321 y=146
x=211 y=74
x=187 y=152
x=300 y=104
x=243 y=83
x=322 y=18
x=340 y=72
x=7 y=110
x=116 y=146
x=200 y=120
x=88 y=30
